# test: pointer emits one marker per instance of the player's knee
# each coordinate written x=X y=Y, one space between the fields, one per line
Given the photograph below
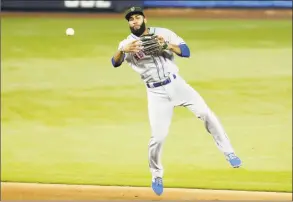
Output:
x=204 y=113
x=159 y=138
x=159 y=135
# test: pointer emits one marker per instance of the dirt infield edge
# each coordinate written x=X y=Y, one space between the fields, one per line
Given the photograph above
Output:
x=34 y=191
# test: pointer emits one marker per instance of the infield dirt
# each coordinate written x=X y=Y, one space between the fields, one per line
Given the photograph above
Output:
x=27 y=191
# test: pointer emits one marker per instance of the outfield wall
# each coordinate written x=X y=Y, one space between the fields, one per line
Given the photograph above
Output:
x=220 y=4
x=118 y=6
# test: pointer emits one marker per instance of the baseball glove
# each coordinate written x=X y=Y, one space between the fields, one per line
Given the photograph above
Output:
x=151 y=45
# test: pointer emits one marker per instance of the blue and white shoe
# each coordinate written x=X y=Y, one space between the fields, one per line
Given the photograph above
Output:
x=233 y=160
x=157 y=185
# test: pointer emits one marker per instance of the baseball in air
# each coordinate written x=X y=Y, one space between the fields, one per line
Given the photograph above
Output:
x=69 y=32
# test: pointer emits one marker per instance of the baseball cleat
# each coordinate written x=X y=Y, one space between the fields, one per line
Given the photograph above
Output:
x=233 y=160
x=157 y=185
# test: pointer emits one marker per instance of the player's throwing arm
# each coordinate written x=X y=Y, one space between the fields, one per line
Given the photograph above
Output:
x=132 y=47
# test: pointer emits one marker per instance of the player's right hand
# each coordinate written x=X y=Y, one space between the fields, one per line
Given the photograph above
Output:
x=133 y=47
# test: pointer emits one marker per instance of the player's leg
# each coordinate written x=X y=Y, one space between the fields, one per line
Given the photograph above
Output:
x=195 y=103
x=160 y=111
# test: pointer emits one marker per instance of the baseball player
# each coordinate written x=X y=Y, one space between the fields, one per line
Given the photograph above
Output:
x=165 y=88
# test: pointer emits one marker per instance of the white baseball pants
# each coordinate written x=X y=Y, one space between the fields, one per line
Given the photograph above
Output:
x=161 y=103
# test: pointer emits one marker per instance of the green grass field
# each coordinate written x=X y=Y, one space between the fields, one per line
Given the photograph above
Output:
x=69 y=117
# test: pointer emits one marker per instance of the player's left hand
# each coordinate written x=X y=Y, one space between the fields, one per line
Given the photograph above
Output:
x=162 y=42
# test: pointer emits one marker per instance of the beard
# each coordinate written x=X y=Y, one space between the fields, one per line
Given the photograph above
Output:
x=138 y=32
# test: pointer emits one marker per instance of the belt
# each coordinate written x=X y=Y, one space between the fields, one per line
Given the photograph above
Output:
x=162 y=83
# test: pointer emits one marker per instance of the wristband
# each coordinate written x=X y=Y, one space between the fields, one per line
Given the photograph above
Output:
x=122 y=50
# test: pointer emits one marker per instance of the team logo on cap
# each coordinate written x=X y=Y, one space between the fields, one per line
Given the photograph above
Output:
x=132 y=9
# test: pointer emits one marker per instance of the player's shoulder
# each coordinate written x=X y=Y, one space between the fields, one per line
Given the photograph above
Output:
x=128 y=39
x=161 y=30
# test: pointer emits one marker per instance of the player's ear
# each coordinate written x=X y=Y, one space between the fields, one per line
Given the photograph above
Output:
x=145 y=20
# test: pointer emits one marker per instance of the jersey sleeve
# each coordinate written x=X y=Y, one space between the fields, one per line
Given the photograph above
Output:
x=173 y=38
